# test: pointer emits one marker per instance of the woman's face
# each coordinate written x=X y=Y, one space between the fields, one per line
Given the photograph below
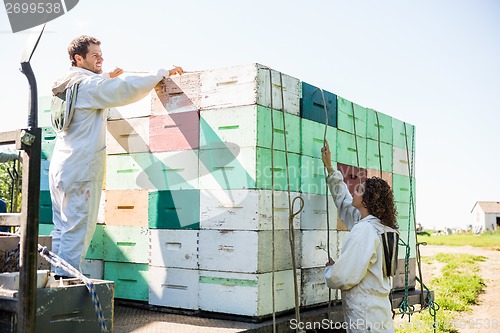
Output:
x=357 y=198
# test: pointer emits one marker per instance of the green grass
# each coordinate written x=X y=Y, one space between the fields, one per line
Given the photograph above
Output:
x=455 y=291
x=489 y=239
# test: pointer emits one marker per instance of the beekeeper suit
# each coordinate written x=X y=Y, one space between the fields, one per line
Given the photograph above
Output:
x=77 y=167
x=358 y=272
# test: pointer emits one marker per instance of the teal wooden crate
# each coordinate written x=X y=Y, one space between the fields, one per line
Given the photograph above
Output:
x=312 y=138
x=178 y=209
x=379 y=153
x=45 y=213
x=131 y=280
x=379 y=126
x=249 y=126
x=318 y=105
x=96 y=248
x=154 y=171
x=126 y=244
x=351 y=150
x=45 y=229
x=403 y=134
x=347 y=112
x=401 y=188
x=248 y=168
x=48 y=142
x=312 y=175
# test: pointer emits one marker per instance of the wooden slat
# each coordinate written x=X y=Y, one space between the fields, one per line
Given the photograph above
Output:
x=9 y=137
x=10 y=219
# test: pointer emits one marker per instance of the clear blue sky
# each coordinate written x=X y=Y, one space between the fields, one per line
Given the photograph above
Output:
x=434 y=64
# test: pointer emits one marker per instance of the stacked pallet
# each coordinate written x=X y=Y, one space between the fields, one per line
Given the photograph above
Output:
x=199 y=185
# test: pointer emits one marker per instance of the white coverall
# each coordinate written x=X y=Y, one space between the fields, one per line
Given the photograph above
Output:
x=358 y=271
x=76 y=170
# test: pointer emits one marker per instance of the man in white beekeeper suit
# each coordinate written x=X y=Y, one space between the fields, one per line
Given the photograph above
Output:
x=77 y=167
x=369 y=255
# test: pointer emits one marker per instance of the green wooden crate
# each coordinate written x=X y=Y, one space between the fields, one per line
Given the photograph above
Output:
x=312 y=175
x=126 y=244
x=312 y=138
x=155 y=171
x=248 y=168
x=48 y=142
x=131 y=280
x=96 y=248
x=313 y=103
x=404 y=216
x=401 y=188
x=281 y=177
x=403 y=134
x=379 y=128
x=45 y=213
x=178 y=209
x=379 y=153
x=345 y=117
x=351 y=150
x=44 y=111
x=249 y=126
x=403 y=239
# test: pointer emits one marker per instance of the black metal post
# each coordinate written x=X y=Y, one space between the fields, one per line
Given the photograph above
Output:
x=31 y=144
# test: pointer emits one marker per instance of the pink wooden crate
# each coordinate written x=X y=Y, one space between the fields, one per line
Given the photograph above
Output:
x=173 y=132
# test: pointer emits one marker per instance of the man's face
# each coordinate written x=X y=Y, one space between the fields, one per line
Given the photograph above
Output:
x=92 y=61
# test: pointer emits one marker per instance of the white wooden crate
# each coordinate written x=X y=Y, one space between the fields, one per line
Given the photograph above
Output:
x=102 y=207
x=314 y=250
x=246 y=294
x=173 y=287
x=400 y=162
x=245 y=209
x=313 y=216
x=246 y=251
x=177 y=94
x=247 y=85
x=93 y=269
x=313 y=289
x=173 y=248
x=141 y=108
x=128 y=136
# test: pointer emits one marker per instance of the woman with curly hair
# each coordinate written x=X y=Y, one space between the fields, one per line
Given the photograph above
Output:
x=369 y=255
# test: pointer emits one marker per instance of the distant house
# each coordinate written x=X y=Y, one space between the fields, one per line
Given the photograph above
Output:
x=486 y=215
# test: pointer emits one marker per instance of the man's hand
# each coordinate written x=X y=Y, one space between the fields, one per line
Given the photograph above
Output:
x=326 y=156
x=116 y=72
x=330 y=262
x=175 y=70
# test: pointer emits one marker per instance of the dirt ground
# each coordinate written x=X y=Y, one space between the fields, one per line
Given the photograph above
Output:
x=487 y=312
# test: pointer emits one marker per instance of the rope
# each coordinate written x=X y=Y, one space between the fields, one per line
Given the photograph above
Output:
x=273 y=268
x=325 y=173
x=292 y=214
x=61 y=263
x=355 y=141
x=378 y=141
x=12 y=254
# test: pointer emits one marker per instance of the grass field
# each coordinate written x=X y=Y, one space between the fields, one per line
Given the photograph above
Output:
x=486 y=239
x=455 y=290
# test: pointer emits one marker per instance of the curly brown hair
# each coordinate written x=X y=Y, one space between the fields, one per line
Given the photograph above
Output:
x=80 y=46
x=378 y=198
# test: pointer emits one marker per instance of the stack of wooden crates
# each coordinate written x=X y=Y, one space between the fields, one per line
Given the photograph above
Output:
x=187 y=216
